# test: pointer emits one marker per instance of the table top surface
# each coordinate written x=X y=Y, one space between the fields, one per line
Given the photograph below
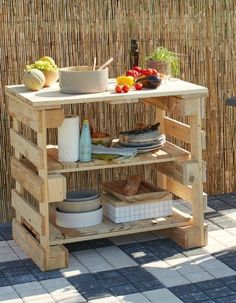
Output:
x=52 y=96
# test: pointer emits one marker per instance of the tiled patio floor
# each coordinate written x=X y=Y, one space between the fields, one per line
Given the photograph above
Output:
x=140 y=269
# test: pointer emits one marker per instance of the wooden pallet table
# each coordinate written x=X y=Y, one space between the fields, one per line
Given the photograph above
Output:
x=39 y=179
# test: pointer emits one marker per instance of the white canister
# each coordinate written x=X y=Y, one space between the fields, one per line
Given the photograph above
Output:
x=68 y=140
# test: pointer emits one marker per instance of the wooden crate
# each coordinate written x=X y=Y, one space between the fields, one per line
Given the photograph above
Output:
x=121 y=211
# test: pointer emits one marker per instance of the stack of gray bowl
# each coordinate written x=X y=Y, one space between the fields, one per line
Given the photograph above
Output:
x=79 y=209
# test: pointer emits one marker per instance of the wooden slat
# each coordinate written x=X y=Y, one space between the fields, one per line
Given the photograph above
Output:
x=28 y=243
x=24 y=146
x=187 y=236
x=24 y=113
x=56 y=187
x=58 y=257
x=54 y=117
x=28 y=212
x=184 y=172
x=181 y=131
x=177 y=129
x=176 y=188
x=204 y=172
x=30 y=181
x=43 y=174
x=175 y=105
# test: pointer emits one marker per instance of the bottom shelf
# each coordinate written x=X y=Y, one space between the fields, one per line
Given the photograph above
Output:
x=107 y=228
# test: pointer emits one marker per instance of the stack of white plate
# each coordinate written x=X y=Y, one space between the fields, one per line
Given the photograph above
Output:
x=144 y=142
x=79 y=209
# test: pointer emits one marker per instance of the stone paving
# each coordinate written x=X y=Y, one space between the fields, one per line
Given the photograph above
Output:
x=141 y=268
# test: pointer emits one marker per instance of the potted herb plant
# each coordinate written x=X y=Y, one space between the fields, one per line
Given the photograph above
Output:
x=164 y=61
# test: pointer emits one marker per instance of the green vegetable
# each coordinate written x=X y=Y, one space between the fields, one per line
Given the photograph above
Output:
x=169 y=57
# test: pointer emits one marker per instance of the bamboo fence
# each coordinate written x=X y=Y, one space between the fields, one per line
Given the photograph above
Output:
x=73 y=32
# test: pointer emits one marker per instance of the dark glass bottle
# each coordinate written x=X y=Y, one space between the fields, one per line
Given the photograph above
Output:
x=134 y=53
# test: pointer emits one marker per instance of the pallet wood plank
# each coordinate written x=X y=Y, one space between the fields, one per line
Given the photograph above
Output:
x=197 y=189
x=28 y=243
x=184 y=172
x=175 y=105
x=187 y=236
x=30 y=181
x=24 y=113
x=28 y=212
x=24 y=146
x=56 y=188
x=54 y=117
x=59 y=257
x=181 y=131
x=43 y=174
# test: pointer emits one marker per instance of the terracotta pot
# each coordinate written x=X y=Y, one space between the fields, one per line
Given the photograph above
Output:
x=51 y=77
x=161 y=66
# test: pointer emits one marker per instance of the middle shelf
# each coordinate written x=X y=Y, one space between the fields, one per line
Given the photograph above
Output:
x=169 y=152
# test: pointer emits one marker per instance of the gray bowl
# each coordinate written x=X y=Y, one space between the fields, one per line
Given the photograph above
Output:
x=82 y=80
x=79 y=206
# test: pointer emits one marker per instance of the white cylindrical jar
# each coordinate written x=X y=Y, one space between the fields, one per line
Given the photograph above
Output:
x=68 y=139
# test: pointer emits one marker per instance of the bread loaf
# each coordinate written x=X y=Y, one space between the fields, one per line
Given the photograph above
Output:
x=132 y=186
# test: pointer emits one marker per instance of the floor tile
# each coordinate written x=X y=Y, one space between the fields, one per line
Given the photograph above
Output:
x=122 y=240
x=10 y=264
x=92 y=260
x=189 y=293
x=161 y=296
x=29 y=289
x=11 y=299
x=122 y=289
x=147 y=236
x=231 y=299
x=62 y=291
x=210 y=284
x=21 y=279
x=133 y=298
x=110 y=299
x=15 y=271
x=4 y=282
x=219 y=292
x=47 y=275
x=116 y=257
x=74 y=268
x=100 y=243
x=138 y=253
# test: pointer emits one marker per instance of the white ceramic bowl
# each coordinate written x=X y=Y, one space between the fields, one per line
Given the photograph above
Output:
x=82 y=79
x=78 y=220
x=79 y=206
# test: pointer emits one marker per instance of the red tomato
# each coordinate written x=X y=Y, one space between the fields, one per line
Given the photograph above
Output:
x=135 y=74
x=148 y=72
x=125 y=88
x=137 y=68
x=130 y=72
x=138 y=86
x=154 y=71
x=143 y=71
x=118 y=89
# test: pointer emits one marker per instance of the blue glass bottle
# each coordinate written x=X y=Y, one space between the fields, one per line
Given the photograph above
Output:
x=85 y=145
